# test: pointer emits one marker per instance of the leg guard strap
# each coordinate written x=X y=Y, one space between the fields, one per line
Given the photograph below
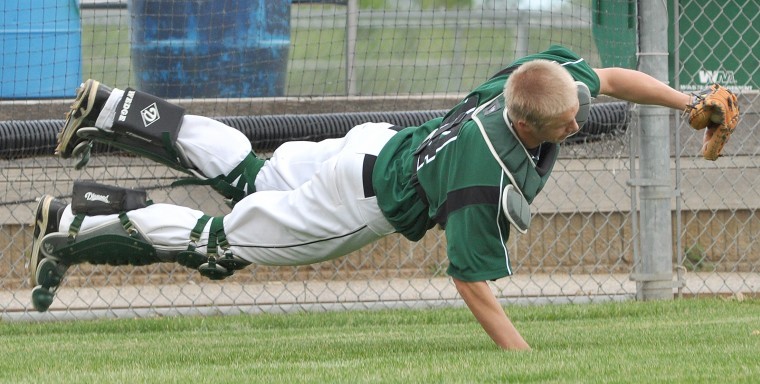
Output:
x=191 y=258
x=238 y=184
x=218 y=263
x=76 y=225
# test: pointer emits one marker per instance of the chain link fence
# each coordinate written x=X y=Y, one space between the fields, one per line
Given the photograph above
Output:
x=717 y=204
x=582 y=244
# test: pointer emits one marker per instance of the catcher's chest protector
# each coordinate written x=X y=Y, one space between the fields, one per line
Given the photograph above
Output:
x=528 y=177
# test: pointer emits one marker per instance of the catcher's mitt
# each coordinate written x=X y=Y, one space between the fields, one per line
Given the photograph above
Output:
x=716 y=109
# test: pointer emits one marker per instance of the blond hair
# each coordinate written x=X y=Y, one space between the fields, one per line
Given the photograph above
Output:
x=538 y=91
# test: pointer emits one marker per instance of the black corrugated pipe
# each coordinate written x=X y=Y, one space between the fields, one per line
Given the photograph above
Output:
x=606 y=120
x=29 y=138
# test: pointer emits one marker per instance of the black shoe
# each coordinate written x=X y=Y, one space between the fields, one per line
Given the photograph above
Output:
x=90 y=99
x=47 y=218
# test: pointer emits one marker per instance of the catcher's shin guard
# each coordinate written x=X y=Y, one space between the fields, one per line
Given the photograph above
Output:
x=115 y=243
x=148 y=126
x=120 y=243
x=144 y=125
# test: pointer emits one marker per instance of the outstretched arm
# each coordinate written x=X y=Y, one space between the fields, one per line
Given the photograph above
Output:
x=483 y=304
x=639 y=88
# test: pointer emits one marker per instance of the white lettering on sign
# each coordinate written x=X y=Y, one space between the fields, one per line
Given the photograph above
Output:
x=720 y=77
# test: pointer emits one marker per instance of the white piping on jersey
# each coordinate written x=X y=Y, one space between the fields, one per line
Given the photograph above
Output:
x=572 y=62
x=501 y=237
x=427 y=159
x=490 y=145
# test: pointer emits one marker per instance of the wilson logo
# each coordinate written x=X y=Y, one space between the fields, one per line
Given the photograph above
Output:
x=150 y=114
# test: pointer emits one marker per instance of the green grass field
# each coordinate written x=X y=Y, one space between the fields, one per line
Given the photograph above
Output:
x=684 y=341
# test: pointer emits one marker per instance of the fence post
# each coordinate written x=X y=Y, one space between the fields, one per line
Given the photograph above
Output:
x=352 y=26
x=654 y=271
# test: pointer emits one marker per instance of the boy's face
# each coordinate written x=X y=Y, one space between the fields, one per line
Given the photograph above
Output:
x=559 y=128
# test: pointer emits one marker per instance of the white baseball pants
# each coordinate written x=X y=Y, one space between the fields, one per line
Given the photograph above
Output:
x=310 y=203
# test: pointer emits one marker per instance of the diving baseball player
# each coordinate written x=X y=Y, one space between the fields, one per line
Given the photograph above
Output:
x=473 y=172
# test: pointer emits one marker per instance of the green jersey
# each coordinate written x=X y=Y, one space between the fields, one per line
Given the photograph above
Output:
x=460 y=171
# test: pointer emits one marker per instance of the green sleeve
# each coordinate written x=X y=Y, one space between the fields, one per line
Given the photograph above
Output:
x=476 y=243
x=576 y=65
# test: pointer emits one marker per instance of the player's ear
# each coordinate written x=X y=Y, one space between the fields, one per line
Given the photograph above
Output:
x=523 y=126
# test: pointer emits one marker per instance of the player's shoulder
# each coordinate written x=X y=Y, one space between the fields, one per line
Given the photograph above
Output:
x=562 y=52
x=578 y=67
x=473 y=145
